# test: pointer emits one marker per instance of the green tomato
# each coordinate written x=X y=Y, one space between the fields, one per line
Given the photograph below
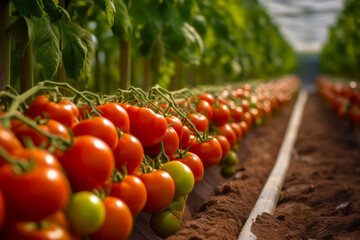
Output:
x=164 y=223
x=85 y=213
x=182 y=176
x=230 y=160
x=227 y=172
x=177 y=204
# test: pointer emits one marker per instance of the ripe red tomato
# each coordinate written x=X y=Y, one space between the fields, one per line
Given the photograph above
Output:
x=221 y=114
x=229 y=133
x=248 y=118
x=88 y=163
x=194 y=163
x=237 y=129
x=160 y=189
x=170 y=143
x=146 y=125
x=254 y=114
x=2 y=209
x=132 y=191
x=244 y=127
x=207 y=97
x=9 y=142
x=237 y=114
x=184 y=143
x=209 y=152
x=45 y=190
x=245 y=105
x=64 y=111
x=117 y=115
x=225 y=145
x=118 y=221
x=129 y=152
x=98 y=127
x=40 y=157
x=200 y=121
x=176 y=124
x=205 y=108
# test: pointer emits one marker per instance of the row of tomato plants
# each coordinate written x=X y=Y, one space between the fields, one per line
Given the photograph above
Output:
x=85 y=165
x=343 y=98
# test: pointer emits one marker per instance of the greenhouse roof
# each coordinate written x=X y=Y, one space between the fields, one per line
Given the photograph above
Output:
x=304 y=23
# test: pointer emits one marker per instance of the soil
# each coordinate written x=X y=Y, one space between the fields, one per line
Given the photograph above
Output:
x=217 y=208
x=321 y=195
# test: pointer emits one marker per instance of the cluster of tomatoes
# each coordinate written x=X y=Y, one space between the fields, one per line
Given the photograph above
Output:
x=343 y=98
x=93 y=171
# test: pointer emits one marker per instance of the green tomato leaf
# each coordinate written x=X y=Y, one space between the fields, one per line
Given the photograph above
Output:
x=21 y=29
x=87 y=39
x=122 y=26
x=29 y=7
x=74 y=51
x=54 y=12
x=110 y=11
x=47 y=46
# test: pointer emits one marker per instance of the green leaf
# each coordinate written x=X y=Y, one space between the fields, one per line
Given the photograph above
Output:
x=87 y=39
x=29 y=7
x=54 y=12
x=122 y=26
x=21 y=29
x=47 y=46
x=74 y=51
x=110 y=11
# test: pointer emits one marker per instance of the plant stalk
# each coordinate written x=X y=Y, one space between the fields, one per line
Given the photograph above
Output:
x=125 y=62
x=147 y=74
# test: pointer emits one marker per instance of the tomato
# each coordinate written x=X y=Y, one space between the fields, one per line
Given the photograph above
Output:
x=118 y=221
x=244 y=127
x=32 y=231
x=132 y=191
x=176 y=124
x=85 y=212
x=44 y=189
x=164 y=224
x=98 y=127
x=245 y=105
x=205 y=108
x=146 y=126
x=209 y=152
x=40 y=157
x=207 y=97
x=182 y=176
x=225 y=145
x=237 y=114
x=63 y=111
x=230 y=160
x=2 y=209
x=129 y=152
x=248 y=119
x=88 y=163
x=9 y=143
x=221 y=114
x=227 y=172
x=117 y=115
x=200 y=122
x=184 y=143
x=229 y=133
x=170 y=143
x=177 y=204
x=160 y=189
x=195 y=164
x=254 y=114
x=236 y=127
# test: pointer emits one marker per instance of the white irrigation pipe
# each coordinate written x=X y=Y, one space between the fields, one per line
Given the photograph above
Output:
x=270 y=194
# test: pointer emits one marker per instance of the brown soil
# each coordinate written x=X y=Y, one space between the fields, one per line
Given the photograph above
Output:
x=321 y=195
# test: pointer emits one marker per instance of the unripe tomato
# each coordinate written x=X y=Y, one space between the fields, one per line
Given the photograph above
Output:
x=182 y=176
x=85 y=212
x=164 y=224
x=118 y=221
x=195 y=164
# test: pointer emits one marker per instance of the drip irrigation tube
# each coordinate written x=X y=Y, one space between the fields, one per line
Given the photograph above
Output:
x=269 y=196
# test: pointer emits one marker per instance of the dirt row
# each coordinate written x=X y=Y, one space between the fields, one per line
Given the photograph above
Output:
x=321 y=195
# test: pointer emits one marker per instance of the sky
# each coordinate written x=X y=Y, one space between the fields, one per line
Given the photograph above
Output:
x=304 y=23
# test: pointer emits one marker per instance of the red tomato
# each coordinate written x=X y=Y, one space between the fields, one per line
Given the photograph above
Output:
x=132 y=191
x=98 y=127
x=254 y=114
x=237 y=129
x=205 y=108
x=118 y=221
x=88 y=163
x=209 y=152
x=40 y=158
x=64 y=111
x=194 y=163
x=244 y=127
x=9 y=143
x=225 y=145
x=229 y=133
x=237 y=114
x=207 y=97
x=128 y=152
x=200 y=122
x=44 y=190
x=184 y=143
x=146 y=126
x=15 y=123
x=245 y=105
x=170 y=143
x=2 y=209
x=176 y=124
x=160 y=189
x=248 y=118
x=117 y=115
x=221 y=114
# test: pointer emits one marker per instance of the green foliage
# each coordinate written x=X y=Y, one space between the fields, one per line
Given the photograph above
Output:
x=122 y=26
x=21 y=29
x=29 y=7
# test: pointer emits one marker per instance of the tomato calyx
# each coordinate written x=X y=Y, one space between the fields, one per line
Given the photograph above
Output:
x=19 y=165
